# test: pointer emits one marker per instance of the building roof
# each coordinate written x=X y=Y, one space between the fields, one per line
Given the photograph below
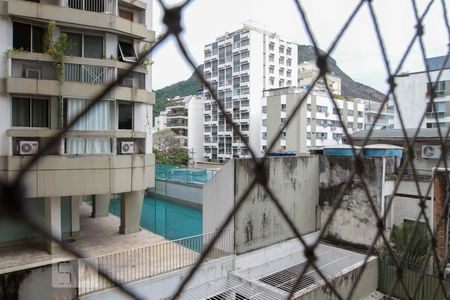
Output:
x=435 y=63
x=397 y=134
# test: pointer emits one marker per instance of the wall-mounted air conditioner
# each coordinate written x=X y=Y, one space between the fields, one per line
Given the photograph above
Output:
x=127 y=147
x=431 y=151
x=127 y=81
x=32 y=73
x=28 y=147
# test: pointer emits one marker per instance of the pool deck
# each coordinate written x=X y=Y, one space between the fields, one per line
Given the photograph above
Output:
x=98 y=236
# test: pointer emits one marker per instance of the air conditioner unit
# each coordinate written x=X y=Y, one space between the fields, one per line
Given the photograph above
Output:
x=33 y=73
x=127 y=147
x=28 y=147
x=128 y=82
x=429 y=151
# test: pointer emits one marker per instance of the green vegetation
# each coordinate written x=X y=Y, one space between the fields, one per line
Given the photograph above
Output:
x=168 y=149
x=182 y=88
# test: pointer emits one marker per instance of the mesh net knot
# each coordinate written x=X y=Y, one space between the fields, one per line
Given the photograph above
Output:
x=172 y=19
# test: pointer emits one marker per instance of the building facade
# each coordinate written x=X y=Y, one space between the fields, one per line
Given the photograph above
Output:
x=385 y=119
x=160 y=122
x=239 y=66
x=184 y=116
x=108 y=151
x=307 y=73
x=316 y=123
x=413 y=94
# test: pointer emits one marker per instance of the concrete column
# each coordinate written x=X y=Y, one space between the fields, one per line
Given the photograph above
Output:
x=100 y=205
x=52 y=215
x=130 y=211
x=75 y=202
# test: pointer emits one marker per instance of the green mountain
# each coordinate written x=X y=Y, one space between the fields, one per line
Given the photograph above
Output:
x=350 y=88
x=181 y=88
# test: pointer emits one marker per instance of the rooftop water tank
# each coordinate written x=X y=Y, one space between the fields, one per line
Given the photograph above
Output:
x=341 y=150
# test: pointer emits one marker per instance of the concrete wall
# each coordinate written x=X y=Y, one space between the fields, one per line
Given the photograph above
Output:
x=295 y=181
x=355 y=215
x=191 y=193
x=195 y=128
x=218 y=198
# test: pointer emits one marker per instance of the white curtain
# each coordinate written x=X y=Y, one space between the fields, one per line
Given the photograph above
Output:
x=98 y=118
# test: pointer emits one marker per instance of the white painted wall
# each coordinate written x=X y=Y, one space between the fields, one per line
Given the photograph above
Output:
x=195 y=127
x=180 y=191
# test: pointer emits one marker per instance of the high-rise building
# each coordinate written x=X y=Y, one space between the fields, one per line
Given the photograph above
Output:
x=48 y=82
x=239 y=66
x=378 y=115
x=413 y=95
x=315 y=124
x=184 y=116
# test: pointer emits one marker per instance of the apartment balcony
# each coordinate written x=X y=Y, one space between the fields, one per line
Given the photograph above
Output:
x=87 y=174
x=100 y=15
x=33 y=73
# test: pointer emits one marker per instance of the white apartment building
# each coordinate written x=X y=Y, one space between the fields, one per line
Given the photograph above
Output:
x=372 y=109
x=239 y=66
x=184 y=116
x=109 y=150
x=413 y=96
x=160 y=122
x=307 y=73
x=316 y=123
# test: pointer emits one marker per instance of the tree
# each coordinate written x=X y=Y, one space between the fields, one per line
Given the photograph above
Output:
x=168 y=148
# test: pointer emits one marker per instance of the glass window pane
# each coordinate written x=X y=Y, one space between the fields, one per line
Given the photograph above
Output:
x=21 y=36
x=39 y=113
x=38 y=39
x=74 y=41
x=93 y=46
x=125 y=116
x=126 y=51
x=20 y=112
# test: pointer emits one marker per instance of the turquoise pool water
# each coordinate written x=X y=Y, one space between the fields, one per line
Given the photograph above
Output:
x=183 y=174
x=165 y=218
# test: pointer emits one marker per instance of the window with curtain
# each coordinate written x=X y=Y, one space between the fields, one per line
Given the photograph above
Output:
x=29 y=112
x=100 y=117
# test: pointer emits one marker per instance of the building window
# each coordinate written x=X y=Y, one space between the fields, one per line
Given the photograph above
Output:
x=288 y=51
x=271 y=46
x=271 y=69
x=272 y=80
x=126 y=51
x=281 y=83
x=84 y=45
x=322 y=135
x=289 y=62
x=125 y=116
x=281 y=49
x=350 y=112
x=271 y=58
x=289 y=83
x=281 y=72
x=288 y=73
x=283 y=107
x=308 y=135
x=264 y=109
x=28 y=37
x=439 y=90
x=281 y=60
x=360 y=114
x=29 y=112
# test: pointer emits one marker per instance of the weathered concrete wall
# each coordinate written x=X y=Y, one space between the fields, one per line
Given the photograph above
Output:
x=295 y=181
x=344 y=284
x=354 y=221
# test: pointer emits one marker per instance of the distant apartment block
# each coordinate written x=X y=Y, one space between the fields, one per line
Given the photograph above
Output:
x=307 y=73
x=108 y=151
x=377 y=115
x=184 y=116
x=316 y=123
x=239 y=66
x=160 y=122
x=413 y=95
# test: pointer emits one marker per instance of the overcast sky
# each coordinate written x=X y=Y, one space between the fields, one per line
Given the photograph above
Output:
x=357 y=54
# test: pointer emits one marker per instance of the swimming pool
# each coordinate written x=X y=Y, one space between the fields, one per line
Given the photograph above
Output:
x=166 y=218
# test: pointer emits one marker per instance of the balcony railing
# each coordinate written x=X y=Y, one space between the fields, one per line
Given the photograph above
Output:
x=136 y=264
x=103 y=6
x=88 y=73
